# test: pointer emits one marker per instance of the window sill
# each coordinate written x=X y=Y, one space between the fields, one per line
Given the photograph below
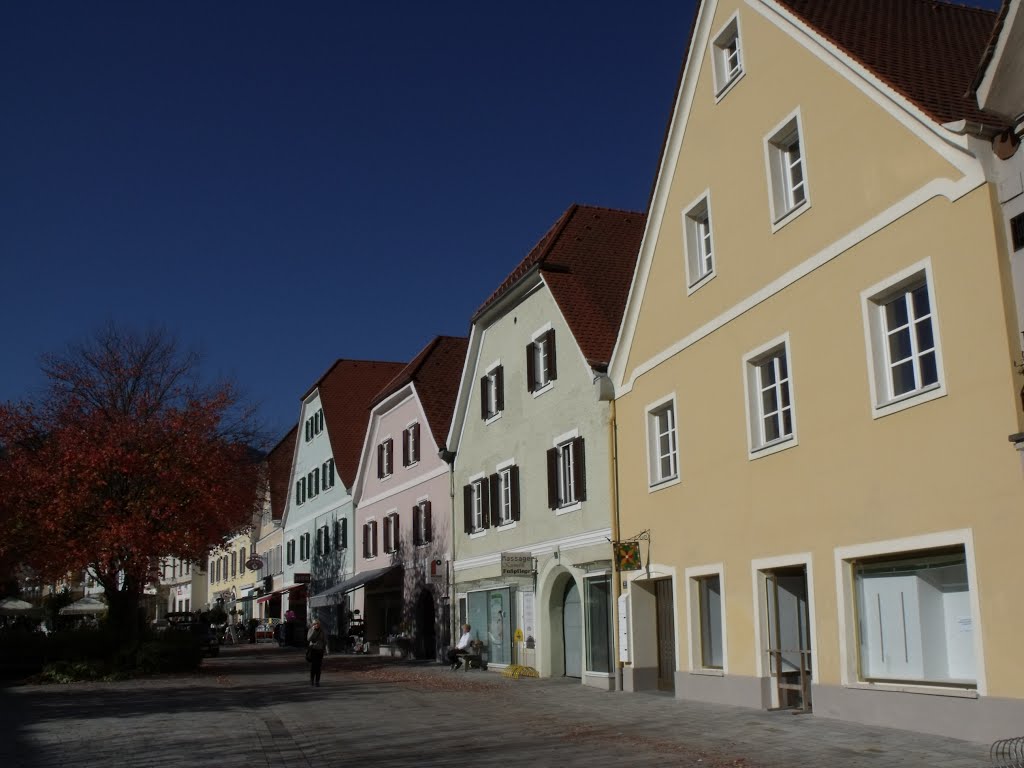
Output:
x=789 y=215
x=508 y=526
x=478 y=534
x=541 y=390
x=662 y=484
x=569 y=508
x=411 y=464
x=927 y=690
x=708 y=672
x=729 y=86
x=493 y=418
x=767 y=450
x=909 y=401
x=691 y=289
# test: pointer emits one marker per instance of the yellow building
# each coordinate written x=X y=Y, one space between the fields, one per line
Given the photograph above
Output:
x=815 y=377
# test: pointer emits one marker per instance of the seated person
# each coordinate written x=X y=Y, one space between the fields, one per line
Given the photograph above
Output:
x=460 y=649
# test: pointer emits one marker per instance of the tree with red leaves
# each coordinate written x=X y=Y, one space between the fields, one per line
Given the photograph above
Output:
x=126 y=459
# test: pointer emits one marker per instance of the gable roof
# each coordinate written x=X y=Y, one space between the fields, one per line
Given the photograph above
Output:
x=927 y=50
x=587 y=260
x=347 y=390
x=279 y=462
x=436 y=372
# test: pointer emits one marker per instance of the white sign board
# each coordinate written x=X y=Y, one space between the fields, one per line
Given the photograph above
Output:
x=516 y=564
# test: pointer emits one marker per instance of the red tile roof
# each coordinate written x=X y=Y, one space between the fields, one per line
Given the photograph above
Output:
x=436 y=372
x=587 y=259
x=346 y=391
x=927 y=50
x=279 y=461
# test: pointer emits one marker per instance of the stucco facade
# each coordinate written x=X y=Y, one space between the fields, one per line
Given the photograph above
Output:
x=808 y=487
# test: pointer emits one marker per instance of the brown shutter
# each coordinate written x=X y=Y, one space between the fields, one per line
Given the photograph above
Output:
x=531 y=369
x=396 y=541
x=389 y=455
x=366 y=541
x=467 y=502
x=406 y=461
x=428 y=530
x=552 y=364
x=374 y=539
x=417 y=525
x=414 y=453
x=499 y=378
x=483 y=398
x=552 y=478
x=579 y=469
x=380 y=460
x=513 y=477
x=485 y=503
x=493 y=484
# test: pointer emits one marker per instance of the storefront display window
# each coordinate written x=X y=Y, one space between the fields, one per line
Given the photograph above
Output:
x=490 y=616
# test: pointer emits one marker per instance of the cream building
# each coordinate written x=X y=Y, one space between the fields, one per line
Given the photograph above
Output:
x=815 y=377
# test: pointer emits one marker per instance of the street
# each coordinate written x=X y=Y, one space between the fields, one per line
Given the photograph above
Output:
x=253 y=706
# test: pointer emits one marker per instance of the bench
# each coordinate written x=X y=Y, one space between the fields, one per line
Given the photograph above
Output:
x=472 y=661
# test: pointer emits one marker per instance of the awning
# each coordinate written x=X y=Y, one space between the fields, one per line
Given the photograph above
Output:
x=265 y=598
x=333 y=595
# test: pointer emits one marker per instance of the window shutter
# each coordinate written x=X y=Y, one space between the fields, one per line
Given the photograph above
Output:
x=499 y=379
x=579 y=469
x=494 y=492
x=373 y=537
x=513 y=477
x=406 y=460
x=531 y=368
x=395 y=539
x=467 y=505
x=366 y=541
x=552 y=365
x=415 y=440
x=417 y=525
x=483 y=398
x=552 y=478
x=485 y=503
x=380 y=460
x=344 y=534
x=428 y=530
x=389 y=456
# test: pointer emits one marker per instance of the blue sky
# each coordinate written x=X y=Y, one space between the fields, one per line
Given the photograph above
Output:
x=282 y=184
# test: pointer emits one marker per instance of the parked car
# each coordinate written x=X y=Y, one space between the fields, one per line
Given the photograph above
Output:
x=204 y=634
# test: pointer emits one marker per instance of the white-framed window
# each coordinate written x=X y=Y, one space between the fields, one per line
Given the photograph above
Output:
x=698 y=242
x=391 y=543
x=241 y=561
x=410 y=445
x=422 y=524
x=727 y=55
x=904 y=355
x=787 y=171
x=290 y=551
x=327 y=473
x=300 y=491
x=313 y=482
x=314 y=424
x=914 y=616
x=707 y=623
x=504 y=491
x=567 y=484
x=234 y=564
x=385 y=458
x=492 y=392
x=663 y=455
x=770 y=413
x=476 y=505
x=369 y=539
x=305 y=549
x=541 y=365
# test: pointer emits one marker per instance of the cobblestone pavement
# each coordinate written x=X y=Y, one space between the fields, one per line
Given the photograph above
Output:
x=253 y=706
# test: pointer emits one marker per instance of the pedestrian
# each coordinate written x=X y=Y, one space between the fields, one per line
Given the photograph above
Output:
x=461 y=648
x=317 y=640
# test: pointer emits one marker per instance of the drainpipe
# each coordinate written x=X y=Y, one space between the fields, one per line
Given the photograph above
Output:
x=616 y=533
x=448 y=457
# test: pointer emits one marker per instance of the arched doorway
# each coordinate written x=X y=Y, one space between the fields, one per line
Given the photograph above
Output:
x=426 y=623
x=572 y=630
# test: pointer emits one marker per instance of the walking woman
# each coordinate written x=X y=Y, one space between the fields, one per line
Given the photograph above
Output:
x=317 y=640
